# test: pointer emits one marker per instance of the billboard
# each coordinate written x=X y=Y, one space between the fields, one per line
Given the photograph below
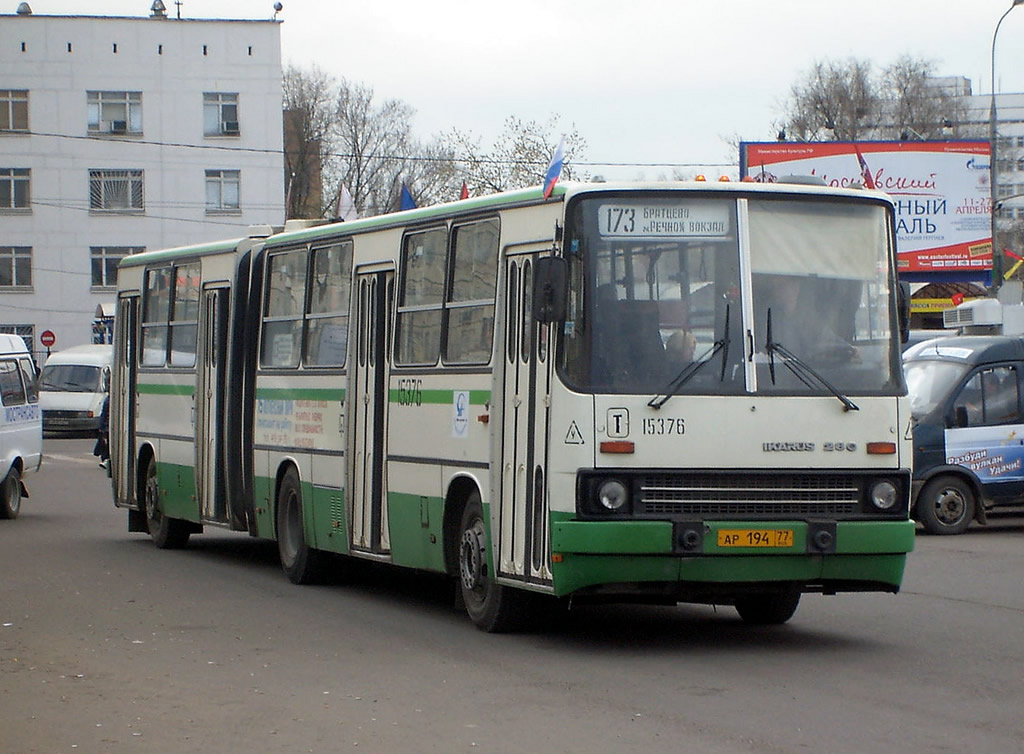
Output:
x=941 y=191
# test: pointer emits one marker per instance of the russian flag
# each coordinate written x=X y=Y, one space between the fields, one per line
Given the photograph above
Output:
x=554 y=169
x=864 y=170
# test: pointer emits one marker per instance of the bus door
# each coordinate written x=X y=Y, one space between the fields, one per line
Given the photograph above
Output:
x=123 y=401
x=522 y=500
x=209 y=426
x=367 y=407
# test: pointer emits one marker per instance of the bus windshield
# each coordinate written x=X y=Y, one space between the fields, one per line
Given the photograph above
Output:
x=656 y=285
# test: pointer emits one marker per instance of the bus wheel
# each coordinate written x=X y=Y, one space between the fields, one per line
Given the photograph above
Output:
x=300 y=562
x=491 y=606
x=167 y=533
x=10 y=494
x=945 y=506
x=767 y=609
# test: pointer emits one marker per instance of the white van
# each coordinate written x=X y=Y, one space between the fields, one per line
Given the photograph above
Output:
x=73 y=387
x=21 y=433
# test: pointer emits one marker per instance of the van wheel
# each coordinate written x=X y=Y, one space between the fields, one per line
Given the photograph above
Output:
x=167 y=533
x=491 y=606
x=10 y=494
x=300 y=562
x=946 y=506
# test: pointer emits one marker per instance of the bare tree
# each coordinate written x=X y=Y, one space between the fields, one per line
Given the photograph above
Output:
x=376 y=153
x=836 y=100
x=308 y=116
x=846 y=101
x=518 y=158
x=915 y=107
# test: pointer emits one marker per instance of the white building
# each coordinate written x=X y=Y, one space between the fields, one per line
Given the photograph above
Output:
x=121 y=134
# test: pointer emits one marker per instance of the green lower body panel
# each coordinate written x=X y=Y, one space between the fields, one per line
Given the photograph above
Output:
x=178 y=497
x=326 y=509
x=867 y=556
x=415 y=524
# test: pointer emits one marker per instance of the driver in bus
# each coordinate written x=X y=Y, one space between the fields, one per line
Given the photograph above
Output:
x=795 y=324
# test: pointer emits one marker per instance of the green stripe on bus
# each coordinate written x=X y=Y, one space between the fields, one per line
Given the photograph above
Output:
x=301 y=393
x=150 y=388
x=437 y=397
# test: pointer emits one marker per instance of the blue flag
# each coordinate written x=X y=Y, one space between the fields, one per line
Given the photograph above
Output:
x=554 y=169
x=407 y=201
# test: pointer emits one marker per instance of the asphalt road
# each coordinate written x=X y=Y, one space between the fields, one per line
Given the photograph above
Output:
x=108 y=644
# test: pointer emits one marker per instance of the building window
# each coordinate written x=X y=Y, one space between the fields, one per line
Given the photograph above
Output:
x=14 y=188
x=104 y=261
x=222 y=190
x=13 y=110
x=117 y=190
x=115 y=112
x=15 y=266
x=220 y=114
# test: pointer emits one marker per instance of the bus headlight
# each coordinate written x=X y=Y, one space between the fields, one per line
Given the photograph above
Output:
x=883 y=495
x=612 y=495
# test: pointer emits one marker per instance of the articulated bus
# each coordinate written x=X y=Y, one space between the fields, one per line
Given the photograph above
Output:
x=674 y=392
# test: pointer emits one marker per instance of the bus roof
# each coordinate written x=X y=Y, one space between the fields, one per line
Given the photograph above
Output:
x=199 y=249
x=561 y=192
x=503 y=200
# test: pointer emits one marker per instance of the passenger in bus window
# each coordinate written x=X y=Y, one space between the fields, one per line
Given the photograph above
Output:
x=680 y=348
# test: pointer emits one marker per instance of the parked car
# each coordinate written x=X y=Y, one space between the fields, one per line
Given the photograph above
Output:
x=73 y=386
x=968 y=428
x=21 y=434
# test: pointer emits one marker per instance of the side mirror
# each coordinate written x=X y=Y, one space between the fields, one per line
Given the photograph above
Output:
x=550 y=289
x=903 y=297
x=105 y=380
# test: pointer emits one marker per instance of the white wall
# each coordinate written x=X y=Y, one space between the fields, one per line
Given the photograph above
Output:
x=241 y=56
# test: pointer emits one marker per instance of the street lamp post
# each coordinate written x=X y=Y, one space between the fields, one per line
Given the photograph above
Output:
x=997 y=260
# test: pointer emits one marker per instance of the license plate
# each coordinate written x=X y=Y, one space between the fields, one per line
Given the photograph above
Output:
x=755 y=537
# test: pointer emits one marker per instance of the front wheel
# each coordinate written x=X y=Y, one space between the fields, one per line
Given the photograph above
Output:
x=10 y=494
x=946 y=505
x=300 y=562
x=167 y=533
x=491 y=606
x=767 y=609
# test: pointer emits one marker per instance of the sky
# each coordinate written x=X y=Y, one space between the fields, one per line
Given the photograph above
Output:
x=651 y=85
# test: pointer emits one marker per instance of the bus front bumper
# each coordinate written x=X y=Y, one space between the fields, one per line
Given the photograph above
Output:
x=730 y=556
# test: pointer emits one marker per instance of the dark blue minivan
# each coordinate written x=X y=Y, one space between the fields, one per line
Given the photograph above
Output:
x=968 y=428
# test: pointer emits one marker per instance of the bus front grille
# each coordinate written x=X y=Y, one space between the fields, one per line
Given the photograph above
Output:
x=738 y=494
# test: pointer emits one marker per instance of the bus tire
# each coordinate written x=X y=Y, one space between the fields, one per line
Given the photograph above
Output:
x=167 y=533
x=10 y=494
x=767 y=609
x=300 y=562
x=946 y=505
x=491 y=606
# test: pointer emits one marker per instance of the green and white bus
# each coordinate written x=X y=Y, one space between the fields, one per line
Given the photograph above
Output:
x=671 y=392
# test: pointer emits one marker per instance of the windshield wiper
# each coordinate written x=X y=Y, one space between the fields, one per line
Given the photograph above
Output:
x=722 y=344
x=800 y=368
